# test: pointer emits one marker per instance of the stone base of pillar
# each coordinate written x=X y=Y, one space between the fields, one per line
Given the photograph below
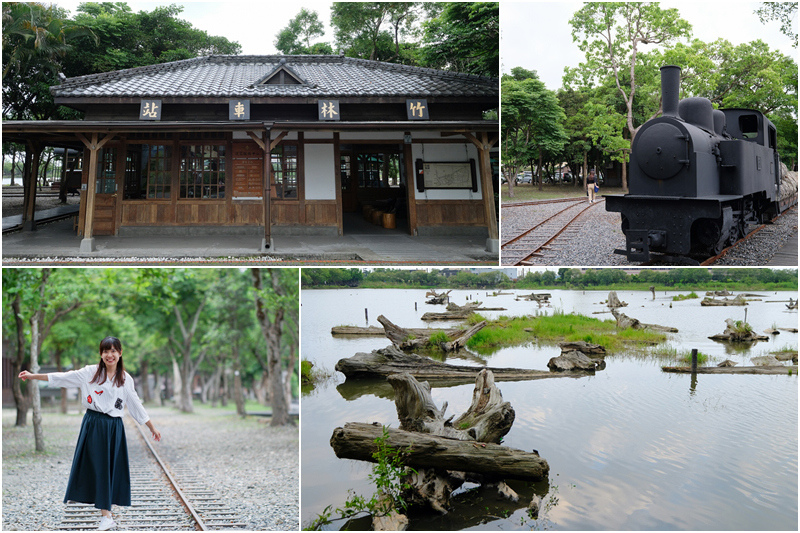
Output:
x=87 y=245
x=493 y=245
x=29 y=225
x=267 y=246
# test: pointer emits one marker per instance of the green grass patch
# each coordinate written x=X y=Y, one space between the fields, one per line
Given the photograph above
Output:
x=437 y=338
x=692 y=295
x=701 y=358
x=513 y=331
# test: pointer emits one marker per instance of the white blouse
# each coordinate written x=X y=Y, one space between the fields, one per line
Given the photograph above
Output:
x=106 y=398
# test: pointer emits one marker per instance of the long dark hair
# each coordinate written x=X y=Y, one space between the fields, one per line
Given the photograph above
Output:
x=100 y=376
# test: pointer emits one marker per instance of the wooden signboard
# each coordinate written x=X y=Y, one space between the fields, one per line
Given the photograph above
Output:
x=446 y=175
x=248 y=171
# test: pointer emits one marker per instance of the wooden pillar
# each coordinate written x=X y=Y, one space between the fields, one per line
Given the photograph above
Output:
x=94 y=145
x=484 y=144
x=29 y=212
x=266 y=243
x=411 y=186
x=337 y=173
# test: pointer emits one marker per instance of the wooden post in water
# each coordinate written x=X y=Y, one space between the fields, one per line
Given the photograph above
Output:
x=366 y=315
x=694 y=359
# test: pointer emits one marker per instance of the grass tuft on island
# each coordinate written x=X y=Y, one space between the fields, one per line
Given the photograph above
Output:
x=513 y=331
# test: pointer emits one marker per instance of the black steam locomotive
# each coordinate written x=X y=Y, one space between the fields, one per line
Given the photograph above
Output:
x=698 y=177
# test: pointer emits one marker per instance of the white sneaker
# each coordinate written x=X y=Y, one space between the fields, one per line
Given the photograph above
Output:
x=106 y=523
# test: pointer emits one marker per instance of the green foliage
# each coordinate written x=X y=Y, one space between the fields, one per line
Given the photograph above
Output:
x=296 y=37
x=687 y=358
x=389 y=476
x=437 y=338
x=783 y=12
x=680 y=297
x=514 y=331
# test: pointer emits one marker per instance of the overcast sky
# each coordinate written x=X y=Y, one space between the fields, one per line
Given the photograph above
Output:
x=253 y=25
x=537 y=35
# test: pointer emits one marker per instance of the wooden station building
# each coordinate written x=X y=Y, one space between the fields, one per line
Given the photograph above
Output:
x=276 y=145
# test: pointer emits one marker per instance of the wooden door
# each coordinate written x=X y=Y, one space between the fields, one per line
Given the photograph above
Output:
x=105 y=214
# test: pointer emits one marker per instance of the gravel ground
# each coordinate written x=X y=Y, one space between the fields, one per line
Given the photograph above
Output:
x=601 y=235
x=252 y=466
x=13 y=206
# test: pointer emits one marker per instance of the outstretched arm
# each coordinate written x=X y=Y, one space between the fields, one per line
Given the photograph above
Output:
x=24 y=375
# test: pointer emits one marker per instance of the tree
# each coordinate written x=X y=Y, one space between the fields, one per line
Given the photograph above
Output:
x=296 y=37
x=463 y=37
x=532 y=122
x=372 y=30
x=783 y=12
x=276 y=300
x=611 y=33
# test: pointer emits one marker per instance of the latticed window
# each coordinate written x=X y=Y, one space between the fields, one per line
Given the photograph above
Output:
x=202 y=172
x=345 y=170
x=148 y=171
x=284 y=170
x=378 y=170
x=106 y=171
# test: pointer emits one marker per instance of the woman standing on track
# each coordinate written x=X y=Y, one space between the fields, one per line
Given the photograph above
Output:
x=100 y=473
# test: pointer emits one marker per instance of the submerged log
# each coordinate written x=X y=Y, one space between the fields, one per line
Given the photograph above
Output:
x=792 y=370
x=438 y=298
x=574 y=360
x=625 y=322
x=583 y=347
x=391 y=360
x=713 y=302
x=461 y=315
x=378 y=331
x=357 y=441
x=734 y=333
x=533 y=297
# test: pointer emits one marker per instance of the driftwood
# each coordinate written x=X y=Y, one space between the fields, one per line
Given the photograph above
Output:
x=713 y=302
x=614 y=301
x=625 y=322
x=734 y=334
x=405 y=339
x=779 y=369
x=719 y=293
x=378 y=331
x=543 y=297
x=391 y=360
x=574 y=360
x=438 y=298
x=499 y=293
x=357 y=441
x=583 y=347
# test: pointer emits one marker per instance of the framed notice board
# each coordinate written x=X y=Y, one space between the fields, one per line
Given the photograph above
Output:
x=248 y=171
x=446 y=175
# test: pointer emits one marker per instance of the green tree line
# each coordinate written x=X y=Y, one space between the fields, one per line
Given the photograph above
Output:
x=565 y=278
x=592 y=119
x=189 y=335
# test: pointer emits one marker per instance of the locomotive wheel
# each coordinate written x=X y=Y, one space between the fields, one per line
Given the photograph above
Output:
x=706 y=236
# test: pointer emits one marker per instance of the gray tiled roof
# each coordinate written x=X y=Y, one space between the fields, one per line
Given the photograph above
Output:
x=237 y=76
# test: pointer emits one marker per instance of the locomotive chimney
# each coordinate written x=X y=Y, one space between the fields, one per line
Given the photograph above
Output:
x=670 y=90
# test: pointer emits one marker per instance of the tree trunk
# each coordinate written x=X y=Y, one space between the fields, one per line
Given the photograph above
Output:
x=60 y=368
x=238 y=396
x=20 y=399
x=357 y=441
x=407 y=339
x=541 y=185
x=147 y=395
x=36 y=401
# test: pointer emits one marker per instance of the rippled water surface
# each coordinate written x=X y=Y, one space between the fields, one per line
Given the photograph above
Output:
x=630 y=448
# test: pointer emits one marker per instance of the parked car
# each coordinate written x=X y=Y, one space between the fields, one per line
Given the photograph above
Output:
x=524 y=177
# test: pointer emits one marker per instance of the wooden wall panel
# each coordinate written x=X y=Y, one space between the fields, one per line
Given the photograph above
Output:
x=450 y=213
x=247 y=214
x=321 y=213
x=285 y=213
x=201 y=214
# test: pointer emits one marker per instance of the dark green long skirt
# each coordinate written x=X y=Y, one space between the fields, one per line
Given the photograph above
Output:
x=100 y=473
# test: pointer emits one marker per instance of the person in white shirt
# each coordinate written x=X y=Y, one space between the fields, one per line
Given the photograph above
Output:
x=100 y=474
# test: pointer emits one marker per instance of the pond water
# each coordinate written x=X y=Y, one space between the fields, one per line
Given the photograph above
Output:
x=631 y=448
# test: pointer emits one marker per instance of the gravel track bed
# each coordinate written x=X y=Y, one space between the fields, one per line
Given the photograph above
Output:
x=601 y=234
x=13 y=206
x=517 y=220
x=247 y=463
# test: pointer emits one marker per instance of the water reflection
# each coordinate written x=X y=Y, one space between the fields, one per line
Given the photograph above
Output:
x=627 y=447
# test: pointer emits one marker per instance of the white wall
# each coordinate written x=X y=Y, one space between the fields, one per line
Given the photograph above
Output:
x=320 y=172
x=431 y=153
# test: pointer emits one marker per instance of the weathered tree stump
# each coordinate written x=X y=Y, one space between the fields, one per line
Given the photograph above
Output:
x=407 y=340
x=391 y=360
x=574 y=360
x=438 y=298
x=734 y=333
x=713 y=302
x=614 y=301
x=357 y=441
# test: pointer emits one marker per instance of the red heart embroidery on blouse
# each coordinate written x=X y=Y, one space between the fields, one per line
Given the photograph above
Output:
x=89 y=398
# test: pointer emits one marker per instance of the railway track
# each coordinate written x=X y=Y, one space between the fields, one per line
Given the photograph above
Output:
x=523 y=245
x=753 y=235
x=163 y=498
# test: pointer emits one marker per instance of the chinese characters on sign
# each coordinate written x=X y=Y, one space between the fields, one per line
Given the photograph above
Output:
x=150 y=110
x=417 y=109
x=239 y=110
x=328 y=109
